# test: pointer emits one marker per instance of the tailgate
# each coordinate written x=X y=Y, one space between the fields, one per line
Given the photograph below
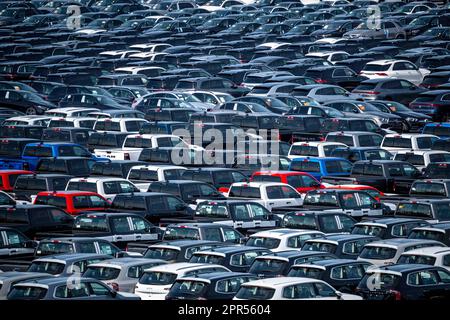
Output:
x=335 y=180
x=302 y=136
x=110 y=154
x=7 y=164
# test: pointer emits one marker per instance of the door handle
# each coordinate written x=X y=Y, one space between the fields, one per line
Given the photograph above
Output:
x=119 y=238
x=138 y=237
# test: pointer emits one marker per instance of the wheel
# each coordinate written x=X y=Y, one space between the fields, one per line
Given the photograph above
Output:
x=31 y=111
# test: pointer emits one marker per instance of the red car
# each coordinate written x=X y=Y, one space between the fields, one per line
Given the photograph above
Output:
x=73 y=202
x=8 y=178
x=301 y=181
x=374 y=192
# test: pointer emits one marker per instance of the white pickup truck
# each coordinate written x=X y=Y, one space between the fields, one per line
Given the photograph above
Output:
x=143 y=175
x=106 y=187
x=408 y=142
x=313 y=149
x=135 y=143
x=269 y=194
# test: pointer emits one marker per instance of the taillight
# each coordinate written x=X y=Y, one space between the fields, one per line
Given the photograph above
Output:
x=397 y=294
x=382 y=74
x=321 y=81
x=115 y=286
x=371 y=92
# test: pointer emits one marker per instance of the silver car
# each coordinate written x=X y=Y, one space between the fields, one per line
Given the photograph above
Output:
x=325 y=92
x=382 y=29
x=121 y=274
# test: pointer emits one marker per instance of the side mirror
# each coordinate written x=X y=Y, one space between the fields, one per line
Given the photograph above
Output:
x=243 y=240
x=376 y=205
x=339 y=295
x=113 y=293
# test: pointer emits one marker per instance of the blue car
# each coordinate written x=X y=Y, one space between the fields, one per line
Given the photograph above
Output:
x=33 y=152
x=318 y=167
x=441 y=129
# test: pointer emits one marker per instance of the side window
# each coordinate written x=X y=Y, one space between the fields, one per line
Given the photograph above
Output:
x=98 y=289
x=241 y=212
x=120 y=225
x=446 y=260
x=348 y=200
x=346 y=223
x=444 y=276
x=299 y=291
x=422 y=278
x=40 y=216
x=231 y=235
x=15 y=239
x=107 y=248
x=259 y=211
x=366 y=200
x=140 y=225
x=296 y=242
x=111 y=187
x=230 y=285
x=329 y=223
x=324 y=290
x=213 y=234
x=86 y=247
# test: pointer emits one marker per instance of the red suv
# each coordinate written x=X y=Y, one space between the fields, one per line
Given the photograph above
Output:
x=301 y=181
x=73 y=202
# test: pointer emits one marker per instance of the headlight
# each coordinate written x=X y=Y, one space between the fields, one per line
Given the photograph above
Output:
x=409 y=119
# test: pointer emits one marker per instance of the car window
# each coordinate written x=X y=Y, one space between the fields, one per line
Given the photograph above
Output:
x=212 y=234
x=299 y=291
x=120 y=225
x=422 y=278
x=86 y=247
x=98 y=289
x=70 y=292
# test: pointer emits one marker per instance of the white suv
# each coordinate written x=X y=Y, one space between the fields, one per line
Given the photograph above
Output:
x=400 y=69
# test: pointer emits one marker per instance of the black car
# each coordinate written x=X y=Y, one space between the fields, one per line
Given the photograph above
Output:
x=279 y=263
x=337 y=75
x=33 y=219
x=115 y=168
x=345 y=246
x=434 y=103
x=398 y=90
x=436 y=231
x=203 y=231
x=343 y=274
x=106 y=140
x=209 y=286
x=405 y=282
x=74 y=166
x=326 y=222
x=188 y=190
x=235 y=258
x=388 y=228
x=28 y=102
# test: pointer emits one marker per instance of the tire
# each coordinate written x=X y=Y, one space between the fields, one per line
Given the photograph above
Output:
x=31 y=111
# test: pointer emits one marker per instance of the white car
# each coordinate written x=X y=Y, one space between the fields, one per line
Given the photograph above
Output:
x=313 y=149
x=290 y=288
x=269 y=194
x=131 y=125
x=104 y=186
x=146 y=71
x=325 y=92
x=70 y=112
x=278 y=240
x=331 y=56
x=386 y=252
x=421 y=159
x=215 y=98
x=435 y=256
x=407 y=142
x=118 y=54
x=76 y=122
x=155 y=282
x=400 y=69
x=143 y=175
x=152 y=47
x=30 y=120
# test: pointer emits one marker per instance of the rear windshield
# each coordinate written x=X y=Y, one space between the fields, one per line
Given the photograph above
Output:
x=245 y=192
x=37 y=151
x=267 y=266
x=54 y=247
x=157 y=278
x=426 y=235
x=178 y=233
x=397 y=143
x=82 y=186
x=188 y=288
x=47 y=267
x=414 y=209
x=10 y=149
x=416 y=259
x=265 y=242
x=437 y=130
x=306 y=166
x=101 y=273
x=28 y=293
x=255 y=293
x=50 y=200
x=377 y=253
x=161 y=253
x=428 y=188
